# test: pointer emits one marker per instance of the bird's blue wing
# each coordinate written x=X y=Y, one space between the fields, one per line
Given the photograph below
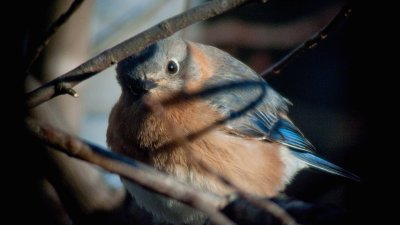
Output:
x=268 y=121
x=278 y=128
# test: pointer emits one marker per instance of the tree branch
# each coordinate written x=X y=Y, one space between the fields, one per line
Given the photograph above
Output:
x=135 y=171
x=309 y=44
x=131 y=46
x=53 y=29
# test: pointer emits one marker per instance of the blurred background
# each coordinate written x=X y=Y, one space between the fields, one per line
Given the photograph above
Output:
x=320 y=84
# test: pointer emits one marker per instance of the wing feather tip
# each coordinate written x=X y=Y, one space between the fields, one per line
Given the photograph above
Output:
x=322 y=164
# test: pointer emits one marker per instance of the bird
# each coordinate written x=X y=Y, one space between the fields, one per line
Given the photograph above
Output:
x=224 y=114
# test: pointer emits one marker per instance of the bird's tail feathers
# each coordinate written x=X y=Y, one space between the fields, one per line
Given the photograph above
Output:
x=321 y=164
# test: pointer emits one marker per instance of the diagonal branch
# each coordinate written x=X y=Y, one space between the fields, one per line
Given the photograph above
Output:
x=135 y=171
x=53 y=29
x=309 y=44
x=131 y=46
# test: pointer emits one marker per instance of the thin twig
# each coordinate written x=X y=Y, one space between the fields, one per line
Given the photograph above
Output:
x=309 y=44
x=135 y=171
x=54 y=27
x=129 y=47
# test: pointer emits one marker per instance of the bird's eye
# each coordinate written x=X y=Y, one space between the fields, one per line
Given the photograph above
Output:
x=173 y=67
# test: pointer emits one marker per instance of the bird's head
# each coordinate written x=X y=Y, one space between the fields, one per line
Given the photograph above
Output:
x=159 y=69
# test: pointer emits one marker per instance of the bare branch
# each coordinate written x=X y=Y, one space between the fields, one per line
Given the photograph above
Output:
x=309 y=44
x=135 y=171
x=131 y=46
x=53 y=29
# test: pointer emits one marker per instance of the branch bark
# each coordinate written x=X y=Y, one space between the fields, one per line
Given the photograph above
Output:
x=137 y=172
x=309 y=44
x=64 y=83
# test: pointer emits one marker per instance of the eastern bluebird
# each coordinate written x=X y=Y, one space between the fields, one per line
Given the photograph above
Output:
x=259 y=151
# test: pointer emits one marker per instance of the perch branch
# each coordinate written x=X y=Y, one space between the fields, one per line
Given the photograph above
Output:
x=131 y=46
x=53 y=29
x=132 y=170
x=309 y=44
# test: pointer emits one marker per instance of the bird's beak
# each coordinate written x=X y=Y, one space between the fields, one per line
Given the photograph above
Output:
x=149 y=84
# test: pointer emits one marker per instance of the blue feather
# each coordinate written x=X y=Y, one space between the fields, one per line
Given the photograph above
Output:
x=324 y=165
x=288 y=134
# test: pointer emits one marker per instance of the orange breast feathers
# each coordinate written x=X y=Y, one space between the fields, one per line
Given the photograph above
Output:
x=145 y=134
